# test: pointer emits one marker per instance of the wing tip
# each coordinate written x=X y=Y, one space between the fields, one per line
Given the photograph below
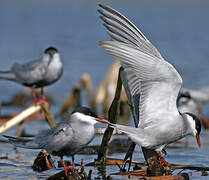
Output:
x=105 y=43
x=103 y=6
x=101 y=43
x=8 y=137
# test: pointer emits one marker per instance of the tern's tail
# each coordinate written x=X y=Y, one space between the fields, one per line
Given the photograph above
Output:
x=137 y=135
x=125 y=129
x=24 y=142
x=7 y=75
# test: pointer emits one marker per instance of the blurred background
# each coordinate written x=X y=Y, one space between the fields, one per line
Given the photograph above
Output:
x=178 y=29
x=27 y=28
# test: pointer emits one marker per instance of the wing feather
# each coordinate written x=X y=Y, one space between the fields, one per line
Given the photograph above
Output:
x=158 y=81
x=151 y=83
x=56 y=135
x=125 y=31
x=31 y=72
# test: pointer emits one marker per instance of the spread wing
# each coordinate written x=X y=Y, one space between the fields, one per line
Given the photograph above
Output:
x=123 y=30
x=152 y=81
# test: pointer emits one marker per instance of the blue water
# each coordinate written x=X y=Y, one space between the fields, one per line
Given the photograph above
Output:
x=178 y=30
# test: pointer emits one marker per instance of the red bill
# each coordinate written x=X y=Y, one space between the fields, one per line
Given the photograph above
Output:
x=103 y=121
x=198 y=140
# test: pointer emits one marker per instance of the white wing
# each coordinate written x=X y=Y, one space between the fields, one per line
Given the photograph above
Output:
x=123 y=30
x=147 y=73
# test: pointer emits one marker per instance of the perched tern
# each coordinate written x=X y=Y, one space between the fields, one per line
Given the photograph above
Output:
x=199 y=95
x=186 y=103
x=66 y=138
x=38 y=73
x=152 y=85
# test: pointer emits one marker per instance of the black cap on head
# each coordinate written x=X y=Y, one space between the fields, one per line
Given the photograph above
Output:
x=86 y=111
x=197 y=122
x=183 y=95
x=51 y=50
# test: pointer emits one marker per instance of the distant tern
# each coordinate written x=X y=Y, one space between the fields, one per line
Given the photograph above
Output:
x=199 y=95
x=66 y=138
x=152 y=85
x=186 y=103
x=38 y=73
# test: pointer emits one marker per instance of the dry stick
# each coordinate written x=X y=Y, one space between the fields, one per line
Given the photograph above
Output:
x=49 y=117
x=176 y=166
x=24 y=114
x=112 y=116
x=87 y=84
x=115 y=161
x=20 y=127
x=20 y=117
x=73 y=100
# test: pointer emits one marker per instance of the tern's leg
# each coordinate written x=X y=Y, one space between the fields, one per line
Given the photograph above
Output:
x=164 y=152
x=34 y=96
x=66 y=168
x=162 y=160
x=43 y=97
x=129 y=155
x=73 y=164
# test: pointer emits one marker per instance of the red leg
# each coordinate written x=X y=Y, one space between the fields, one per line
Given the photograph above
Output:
x=164 y=152
x=44 y=97
x=73 y=165
x=162 y=160
x=42 y=94
x=34 y=96
x=40 y=100
x=66 y=168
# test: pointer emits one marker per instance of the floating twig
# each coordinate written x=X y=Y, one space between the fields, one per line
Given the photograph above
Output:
x=113 y=161
x=197 y=168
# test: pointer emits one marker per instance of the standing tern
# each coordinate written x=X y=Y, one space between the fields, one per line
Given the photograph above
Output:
x=38 y=73
x=152 y=85
x=66 y=138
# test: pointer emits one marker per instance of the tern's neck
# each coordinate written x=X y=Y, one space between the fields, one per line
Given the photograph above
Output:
x=55 y=58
